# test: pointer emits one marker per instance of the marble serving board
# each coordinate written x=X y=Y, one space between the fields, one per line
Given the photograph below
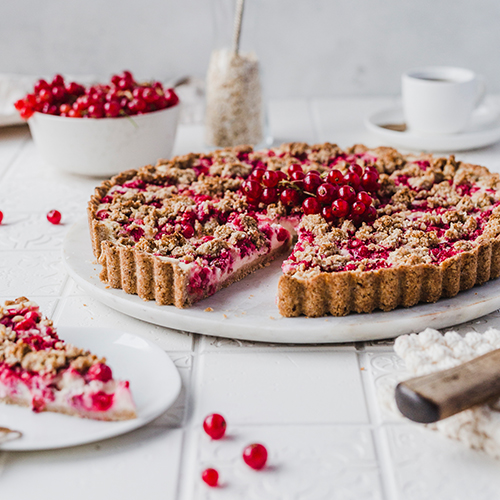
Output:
x=247 y=310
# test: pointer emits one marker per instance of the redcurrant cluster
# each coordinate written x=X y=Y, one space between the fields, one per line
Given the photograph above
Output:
x=123 y=96
x=332 y=194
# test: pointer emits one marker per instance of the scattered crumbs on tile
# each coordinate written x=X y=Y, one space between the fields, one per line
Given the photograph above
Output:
x=272 y=317
x=243 y=312
x=267 y=264
x=209 y=310
x=362 y=368
x=107 y=286
x=224 y=316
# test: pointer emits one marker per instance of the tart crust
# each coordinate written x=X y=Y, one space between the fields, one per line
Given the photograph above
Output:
x=344 y=292
x=338 y=293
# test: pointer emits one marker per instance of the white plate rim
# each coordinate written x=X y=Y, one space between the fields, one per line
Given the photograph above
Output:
x=466 y=306
x=105 y=430
x=453 y=142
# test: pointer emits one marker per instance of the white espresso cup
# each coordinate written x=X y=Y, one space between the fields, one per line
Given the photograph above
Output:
x=440 y=99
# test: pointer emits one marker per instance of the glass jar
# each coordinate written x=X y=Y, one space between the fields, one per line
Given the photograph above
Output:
x=236 y=111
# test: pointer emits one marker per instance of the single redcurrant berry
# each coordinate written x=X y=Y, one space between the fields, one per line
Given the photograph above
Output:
x=326 y=193
x=57 y=81
x=354 y=167
x=370 y=214
x=358 y=208
x=311 y=182
x=282 y=234
x=335 y=177
x=215 y=426
x=39 y=85
x=255 y=456
x=252 y=189
x=258 y=173
x=352 y=179
x=96 y=111
x=187 y=231
x=327 y=214
x=347 y=193
x=59 y=93
x=211 y=477
x=369 y=181
x=298 y=175
x=100 y=371
x=54 y=217
x=1 y=217
x=112 y=108
x=45 y=95
x=65 y=108
x=282 y=176
x=290 y=197
x=340 y=208
x=270 y=178
x=294 y=167
x=32 y=316
x=311 y=206
x=19 y=104
x=171 y=97
x=364 y=198
x=269 y=195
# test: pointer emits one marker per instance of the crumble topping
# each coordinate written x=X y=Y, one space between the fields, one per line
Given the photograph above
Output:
x=37 y=348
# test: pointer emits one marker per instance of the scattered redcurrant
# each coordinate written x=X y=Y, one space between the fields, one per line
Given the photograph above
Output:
x=54 y=217
x=211 y=477
x=1 y=217
x=215 y=426
x=255 y=456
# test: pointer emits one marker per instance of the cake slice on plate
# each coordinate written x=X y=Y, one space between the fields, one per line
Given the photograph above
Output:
x=41 y=371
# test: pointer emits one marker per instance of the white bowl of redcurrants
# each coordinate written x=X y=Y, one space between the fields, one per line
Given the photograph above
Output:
x=102 y=129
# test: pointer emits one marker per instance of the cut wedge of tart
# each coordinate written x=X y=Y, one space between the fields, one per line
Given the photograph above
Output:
x=375 y=229
x=41 y=371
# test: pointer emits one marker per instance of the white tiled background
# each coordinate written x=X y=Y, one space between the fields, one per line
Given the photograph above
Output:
x=314 y=407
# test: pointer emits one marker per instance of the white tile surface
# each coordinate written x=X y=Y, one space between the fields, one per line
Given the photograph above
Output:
x=142 y=464
x=314 y=407
x=304 y=462
x=281 y=387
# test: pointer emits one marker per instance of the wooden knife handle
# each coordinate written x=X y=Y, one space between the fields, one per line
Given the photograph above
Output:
x=439 y=395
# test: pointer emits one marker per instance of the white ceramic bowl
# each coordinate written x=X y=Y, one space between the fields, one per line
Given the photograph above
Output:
x=104 y=146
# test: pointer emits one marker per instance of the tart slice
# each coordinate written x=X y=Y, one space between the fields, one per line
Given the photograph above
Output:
x=41 y=371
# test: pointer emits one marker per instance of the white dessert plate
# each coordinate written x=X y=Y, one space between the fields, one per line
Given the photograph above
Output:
x=247 y=309
x=483 y=130
x=154 y=381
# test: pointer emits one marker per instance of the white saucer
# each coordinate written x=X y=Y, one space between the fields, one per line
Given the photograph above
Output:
x=247 y=309
x=154 y=381
x=483 y=131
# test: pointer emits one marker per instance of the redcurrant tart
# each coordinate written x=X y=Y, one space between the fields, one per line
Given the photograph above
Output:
x=211 y=477
x=215 y=426
x=255 y=456
x=54 y=217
